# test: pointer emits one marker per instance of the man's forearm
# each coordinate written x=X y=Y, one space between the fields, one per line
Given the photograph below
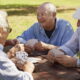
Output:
x=49 y=46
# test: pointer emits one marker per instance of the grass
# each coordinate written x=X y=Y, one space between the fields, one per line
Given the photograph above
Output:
x=69 y=3
x=22 y=13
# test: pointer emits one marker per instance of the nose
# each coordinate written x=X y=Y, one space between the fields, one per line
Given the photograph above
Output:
x=39 y=17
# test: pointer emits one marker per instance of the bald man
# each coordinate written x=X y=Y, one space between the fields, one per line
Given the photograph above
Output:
x=50 y=31
x=67 y=54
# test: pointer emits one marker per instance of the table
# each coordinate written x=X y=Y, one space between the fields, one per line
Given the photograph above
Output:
x=47 y=71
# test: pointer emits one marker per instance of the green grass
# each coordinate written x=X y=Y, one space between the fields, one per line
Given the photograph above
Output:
x=22 y=13
x=71 y=3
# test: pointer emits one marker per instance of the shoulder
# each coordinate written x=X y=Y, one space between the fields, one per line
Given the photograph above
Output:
x=61 y=23
x=36 y=25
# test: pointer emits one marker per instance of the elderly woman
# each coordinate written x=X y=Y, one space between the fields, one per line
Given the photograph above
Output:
x=8 y=70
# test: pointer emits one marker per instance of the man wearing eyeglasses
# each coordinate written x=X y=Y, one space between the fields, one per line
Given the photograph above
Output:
x=8 y=70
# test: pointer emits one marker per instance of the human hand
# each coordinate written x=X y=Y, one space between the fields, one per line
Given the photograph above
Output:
x=25 y=66
x=66 y=60
x=28 y=49
x=60 y=57
x=12 y=52
x=11 y=42
x=41 y=46
x=28 y=67
x=29 y=46
x=18 y=63
x=49 y=57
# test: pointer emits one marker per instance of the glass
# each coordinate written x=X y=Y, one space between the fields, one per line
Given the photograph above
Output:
x=9 y=29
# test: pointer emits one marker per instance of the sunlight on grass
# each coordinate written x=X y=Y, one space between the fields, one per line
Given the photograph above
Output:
x=69 y=3
x=20 y=23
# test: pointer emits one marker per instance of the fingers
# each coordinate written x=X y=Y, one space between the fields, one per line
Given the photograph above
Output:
x=29 y=67
x=66 y=60
x=28 y=49
x=49 y=57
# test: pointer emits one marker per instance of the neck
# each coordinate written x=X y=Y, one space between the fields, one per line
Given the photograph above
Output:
x=51 y=27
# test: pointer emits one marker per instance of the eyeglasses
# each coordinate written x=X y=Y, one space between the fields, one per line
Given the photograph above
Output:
x=9 y=29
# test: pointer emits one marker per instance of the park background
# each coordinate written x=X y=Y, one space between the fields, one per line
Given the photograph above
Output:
x=22 y=13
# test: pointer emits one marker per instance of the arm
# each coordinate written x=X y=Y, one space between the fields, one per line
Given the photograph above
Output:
x=11 y=72
x=72 y=46
x=28 y=34
x=41 y=46
x=65 y=54
x=56 y=55
x=67 y=34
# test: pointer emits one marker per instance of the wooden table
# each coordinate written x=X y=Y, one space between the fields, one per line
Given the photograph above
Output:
x=46 y=71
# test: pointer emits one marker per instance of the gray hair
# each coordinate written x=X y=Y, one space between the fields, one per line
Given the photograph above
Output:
x=49 y=6
x=3 y=19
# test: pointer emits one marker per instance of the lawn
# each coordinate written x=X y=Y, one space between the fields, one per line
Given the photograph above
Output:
x=22 y=13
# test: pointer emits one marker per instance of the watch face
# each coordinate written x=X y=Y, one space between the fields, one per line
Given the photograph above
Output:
x=21 y=55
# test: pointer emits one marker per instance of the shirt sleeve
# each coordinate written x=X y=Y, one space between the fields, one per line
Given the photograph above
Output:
x=28 y=34
x=72 y=46
x=8 y=70
x=68 y=32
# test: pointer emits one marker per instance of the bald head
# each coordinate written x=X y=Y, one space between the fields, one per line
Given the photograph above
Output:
x=46 y=15
x=48 y=6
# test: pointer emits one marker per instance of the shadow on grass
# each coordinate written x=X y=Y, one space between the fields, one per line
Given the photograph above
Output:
x=17 y=9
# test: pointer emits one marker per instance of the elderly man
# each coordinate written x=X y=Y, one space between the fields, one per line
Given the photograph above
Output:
x=49 y=30
x=66 y=54
x=8 y=70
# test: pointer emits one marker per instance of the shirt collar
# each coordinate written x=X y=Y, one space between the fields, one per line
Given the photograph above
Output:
x=56 y=25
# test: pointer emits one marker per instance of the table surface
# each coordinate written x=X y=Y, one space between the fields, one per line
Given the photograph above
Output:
x=47 y=71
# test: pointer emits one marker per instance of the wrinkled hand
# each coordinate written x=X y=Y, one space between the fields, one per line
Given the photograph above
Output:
x=28 y=49
x=17 y=63
x=16 y=48
x=52 y=54
x=28 y=67
x=49 y=57
x=66 y=60
x=11 y=42
x=60 y=57
x=41 y=46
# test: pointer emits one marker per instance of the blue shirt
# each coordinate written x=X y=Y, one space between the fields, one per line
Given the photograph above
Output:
x=8 y=70
x=73 y=45
x=62 y=33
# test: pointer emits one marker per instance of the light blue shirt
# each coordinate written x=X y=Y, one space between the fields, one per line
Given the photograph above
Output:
x=73 y=46
x=8 y=70
x=60 y=35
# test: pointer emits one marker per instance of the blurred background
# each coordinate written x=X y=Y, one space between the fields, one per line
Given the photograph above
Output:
x=22 y=13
